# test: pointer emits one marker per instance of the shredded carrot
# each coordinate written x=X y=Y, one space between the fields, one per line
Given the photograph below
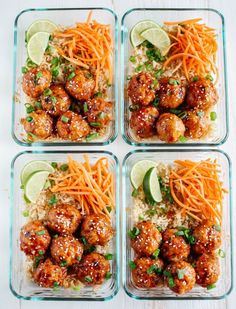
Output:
x=195 y=45
x=90 y=185
x=88 y=45
x=196 y=188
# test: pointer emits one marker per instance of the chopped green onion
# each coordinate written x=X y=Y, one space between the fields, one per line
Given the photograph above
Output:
x=29 y=119
x=79 y=258
x=64 y=119
x=37 y=260
x=132 y=265
x=88 y=279
x=40 y=232
x=83 y=240
x=209 y=77
x=156 y=254
x=109 y=209
x=182 y=139
x=155 y=103
x=182 y=115
x=71 y=75
x=151 y=269
x=56 y=285
x=38 y=104
x=108 y=275
x=195 y=79
x=134 y=232
x=211 y=286
x=52 y=200
x=25 y=213
x=55 y=236
x=171 y=282
x=98 y=94
x=101 y=115
x=134 y=108
x=166 y=273
x=217 y=227
x=24 y=70
x=179 y=233
x=41 y=252
x=55 y=72
x=132 y=59
x=213 y=116
x=39 y=74
x=181 y=273
x=47 y=92
x=149 y=67
x=173 y=82
x=30 y=63
x=64 y=167
x=54 y=165
x=139 y=68
x=159 y=229
x=86 y=107
x=108 y=256
x=91 y=136
x=95 y=124
x=135 y=193
x=77 y=288
x=29 y=108
x=55 y=61
x=53 y=99
x=63 y=263
x=221 y=253
x=158 y=73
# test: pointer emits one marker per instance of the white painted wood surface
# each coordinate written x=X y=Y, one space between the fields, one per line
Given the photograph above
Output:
x=8 y=148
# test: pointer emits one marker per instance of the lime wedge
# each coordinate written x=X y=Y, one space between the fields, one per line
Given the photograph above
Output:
x=37 y=46
x=151 y=186
x=135 y=37
x=41 y=25
x=32 y=167
x=139 y=170
x=35 y=184
x=158 y=37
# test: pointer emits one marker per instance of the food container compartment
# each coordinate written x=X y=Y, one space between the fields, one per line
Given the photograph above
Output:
x=225 y=282
x=20 y=284
x=65 y=17
x=212 y=18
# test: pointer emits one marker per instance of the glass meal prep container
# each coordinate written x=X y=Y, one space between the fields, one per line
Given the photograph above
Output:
x=211 y=17
x=225 y=282
x=20 y=284
x=65 y=17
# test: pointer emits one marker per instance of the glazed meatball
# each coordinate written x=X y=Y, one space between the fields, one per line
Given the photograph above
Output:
x=147 y=273
x=170 y=128
x=38 y=123
x=180 y=277
x=142 y=88
x=72 y=126
x=92 y=269
x=97 y=230
x=55 y=101
x=207 y=237
x=98 y=112
x=143 y=121
x=171 y=92
x=49 y=275
x=66 y=250
x=35 y=81
x=196 y=124
x=201 y=94
x=63 y=218
x=146 y=239
x=81 y=86
x=34 y=239
x=174 y=248
x=207 y=269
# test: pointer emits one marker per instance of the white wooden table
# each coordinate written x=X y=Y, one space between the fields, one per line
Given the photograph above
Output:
x=9 y=9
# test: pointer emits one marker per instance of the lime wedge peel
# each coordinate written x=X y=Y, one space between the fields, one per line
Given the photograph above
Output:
x=158 y=37
x=41 y=25
x=151 y=186
x=135 y=37
x=35 y=184
x=32 y=167
x=139 y=170
x=37 y=46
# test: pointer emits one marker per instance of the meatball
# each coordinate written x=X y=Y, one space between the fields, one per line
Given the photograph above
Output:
x=147 y=273
x=170 y=128
x=174 y=248
x=201 y=94
x=207 y=237
x=72 y=126
x=143 y=121
x=196 y=124
x=56 y=101
x=142 y=88
x=49 y=275
x=38 y=123
x=66 y=250
x=146 y=239
x=93 y=269
x=35 y=81
x=34 y=239
x=98 y=112
x=63 y=218
x=207 y=269
x=81 y=86
x=180 y=277
x=171 y=93
x=96 y=229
